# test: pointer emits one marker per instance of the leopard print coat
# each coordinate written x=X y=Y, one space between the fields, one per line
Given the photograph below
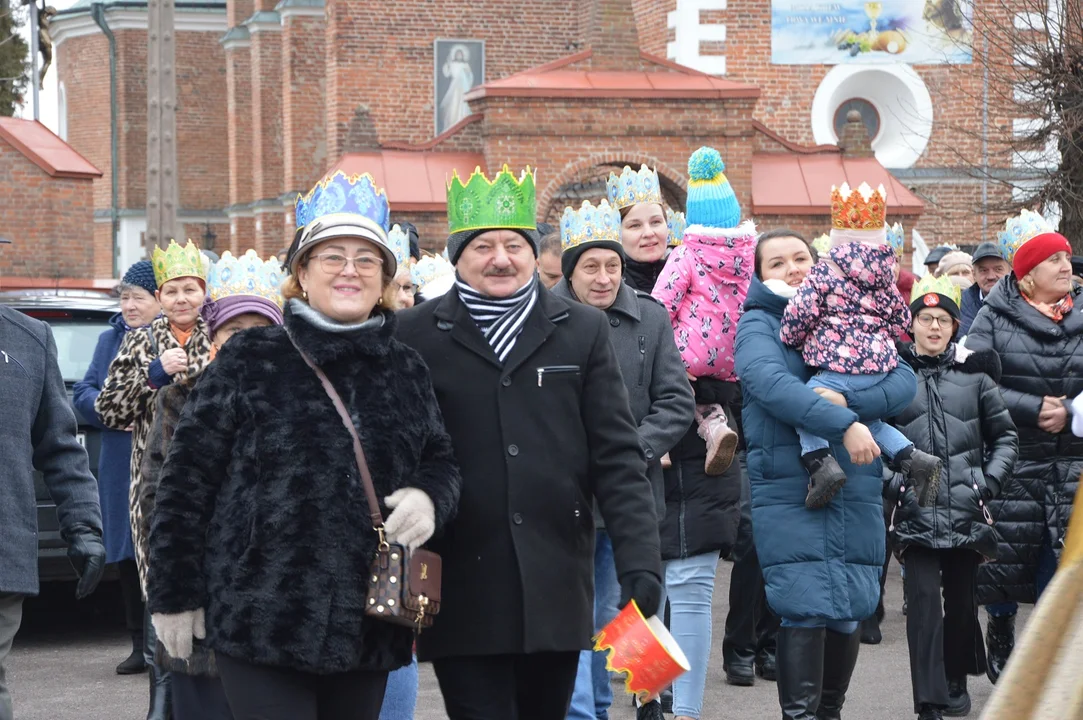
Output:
x=129 y=399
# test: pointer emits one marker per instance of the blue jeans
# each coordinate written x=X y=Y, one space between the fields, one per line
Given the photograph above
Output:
x=690 y=588
x=890 y=440
x=843 y=627
x=1043 y=575
x=593 y=695
x=400 y=699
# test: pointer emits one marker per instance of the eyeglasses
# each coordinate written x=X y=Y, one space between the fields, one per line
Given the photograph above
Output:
x=366 y=265
x=928 y=320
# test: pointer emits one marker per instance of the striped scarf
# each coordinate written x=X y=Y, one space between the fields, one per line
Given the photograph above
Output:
x=500 y=319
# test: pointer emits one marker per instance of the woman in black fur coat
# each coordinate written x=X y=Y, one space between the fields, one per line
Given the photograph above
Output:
x=261 y=538
x=958 y=415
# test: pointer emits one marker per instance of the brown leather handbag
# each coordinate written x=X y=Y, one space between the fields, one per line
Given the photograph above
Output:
x=404 y=586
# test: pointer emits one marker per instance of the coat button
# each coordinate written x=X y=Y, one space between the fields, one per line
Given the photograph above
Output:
x=506 y=382
x=649 y=453
x=517 y=519
x=513 y=450
x=615 y=322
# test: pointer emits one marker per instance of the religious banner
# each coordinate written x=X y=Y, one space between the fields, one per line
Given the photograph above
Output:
x=460 y=67
x=915 y=32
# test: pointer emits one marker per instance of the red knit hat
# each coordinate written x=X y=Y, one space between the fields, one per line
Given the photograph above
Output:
x=1037 y=250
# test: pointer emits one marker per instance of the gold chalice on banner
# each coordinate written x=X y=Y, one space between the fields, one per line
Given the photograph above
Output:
x=873 y=10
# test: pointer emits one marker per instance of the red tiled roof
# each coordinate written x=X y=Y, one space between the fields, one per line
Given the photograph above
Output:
x=414 y=181
x=669 y=81
x=796 y=184
x=45 y=149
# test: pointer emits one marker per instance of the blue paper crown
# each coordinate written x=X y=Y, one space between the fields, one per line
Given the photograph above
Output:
x=246 y=275
x=1017 y=230
x=633 y=187
x=896 y=239
x=677 y=224
x=428 y=269
x=589 y=224
x=347 y=194
x=399 y=241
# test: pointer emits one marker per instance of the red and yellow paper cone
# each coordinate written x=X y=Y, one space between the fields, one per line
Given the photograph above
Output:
x=643 y=650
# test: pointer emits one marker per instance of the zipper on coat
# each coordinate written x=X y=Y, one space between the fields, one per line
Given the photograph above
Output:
x=555 y=370
x=681 y=537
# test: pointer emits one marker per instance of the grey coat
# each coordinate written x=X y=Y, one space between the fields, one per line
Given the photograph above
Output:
x=658 y=390
x=37 y=432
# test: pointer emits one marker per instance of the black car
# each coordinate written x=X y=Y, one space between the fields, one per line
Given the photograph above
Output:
x=77 y=318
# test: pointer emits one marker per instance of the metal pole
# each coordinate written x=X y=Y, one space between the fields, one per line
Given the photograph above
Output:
x=34 y=52
x=162 y=192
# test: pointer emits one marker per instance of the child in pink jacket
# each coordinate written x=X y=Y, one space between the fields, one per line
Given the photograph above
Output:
x=844 y=318
x=703 y=286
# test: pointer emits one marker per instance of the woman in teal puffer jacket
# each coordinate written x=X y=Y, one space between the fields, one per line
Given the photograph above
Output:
x=821 y=567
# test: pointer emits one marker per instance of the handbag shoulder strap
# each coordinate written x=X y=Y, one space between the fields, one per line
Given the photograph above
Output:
x=358 y=451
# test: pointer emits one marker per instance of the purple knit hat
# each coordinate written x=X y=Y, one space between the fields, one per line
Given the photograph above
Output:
x=217 y=313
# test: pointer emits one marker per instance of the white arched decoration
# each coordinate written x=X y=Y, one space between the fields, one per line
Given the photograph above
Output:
x=62 y=111
x=899 y=96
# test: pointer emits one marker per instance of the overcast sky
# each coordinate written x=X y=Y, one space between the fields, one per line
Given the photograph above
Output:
x=47 y=98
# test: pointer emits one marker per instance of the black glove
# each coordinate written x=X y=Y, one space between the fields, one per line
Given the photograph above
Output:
x=643 y=587
x=905 y=505
x=87 y=555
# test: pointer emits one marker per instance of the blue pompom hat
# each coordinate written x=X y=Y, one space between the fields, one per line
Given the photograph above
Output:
x=141 y=274
x=711 y=201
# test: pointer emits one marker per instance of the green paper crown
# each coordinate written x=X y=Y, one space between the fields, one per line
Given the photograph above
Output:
x=481 y=204
x=936 y=285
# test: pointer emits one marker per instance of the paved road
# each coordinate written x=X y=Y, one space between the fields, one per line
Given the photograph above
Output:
x=62 y=667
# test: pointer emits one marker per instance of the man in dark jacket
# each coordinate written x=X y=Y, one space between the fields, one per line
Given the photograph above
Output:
x=532 y=396
x=592 y=267
x=38 y=432
x=989 y=267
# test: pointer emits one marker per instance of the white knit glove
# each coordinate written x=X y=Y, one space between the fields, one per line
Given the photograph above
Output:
x=413 y=518
x=177 y=630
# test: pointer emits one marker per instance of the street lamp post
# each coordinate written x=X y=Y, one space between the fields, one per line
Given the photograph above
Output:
x=162 y=190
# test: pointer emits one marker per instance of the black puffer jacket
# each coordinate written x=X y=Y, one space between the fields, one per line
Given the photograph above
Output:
x=959 y=416
x=702 y=511
x=1039 y=357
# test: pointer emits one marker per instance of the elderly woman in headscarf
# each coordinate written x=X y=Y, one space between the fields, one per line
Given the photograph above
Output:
x=262 y=536
x=958 y=267
x=138 y=307
x=1029 y=319
x=243 y=293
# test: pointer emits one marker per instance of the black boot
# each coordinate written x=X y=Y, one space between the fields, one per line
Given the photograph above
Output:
x=930 y=712
x=800 y=671
x=740 y=673
x=650 y=711
x=999 y=641
x=665 y=699
x=840 y=658
x=825 y=478
x=161 y=683
x=958 y=698
x=767 y=665
x=922 y=472
x=135 y=663
x=870 y=631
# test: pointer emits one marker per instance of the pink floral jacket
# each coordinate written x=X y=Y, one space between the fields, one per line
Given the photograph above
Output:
x=703 y=286
x=848 y=312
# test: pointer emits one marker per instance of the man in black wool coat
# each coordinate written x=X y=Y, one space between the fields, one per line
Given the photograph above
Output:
x=533 y=399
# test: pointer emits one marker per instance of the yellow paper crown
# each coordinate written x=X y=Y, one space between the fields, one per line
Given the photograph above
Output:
x=860 y=209
x=246 y=275
x=176 y=262
x=936 y=285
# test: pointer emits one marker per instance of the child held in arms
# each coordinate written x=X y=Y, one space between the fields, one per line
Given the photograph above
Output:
x=845 y=318
x=703 y=286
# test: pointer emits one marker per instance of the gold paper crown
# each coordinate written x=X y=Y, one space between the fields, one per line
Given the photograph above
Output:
x=633 y=187
x=176 y=262
x=860 y=209
x=938 y=286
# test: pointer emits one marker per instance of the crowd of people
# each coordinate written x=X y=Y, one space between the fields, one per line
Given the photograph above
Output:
x=572 y=419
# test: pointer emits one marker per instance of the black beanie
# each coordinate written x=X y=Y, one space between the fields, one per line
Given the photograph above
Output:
x=457 y=241
x=570 y=257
